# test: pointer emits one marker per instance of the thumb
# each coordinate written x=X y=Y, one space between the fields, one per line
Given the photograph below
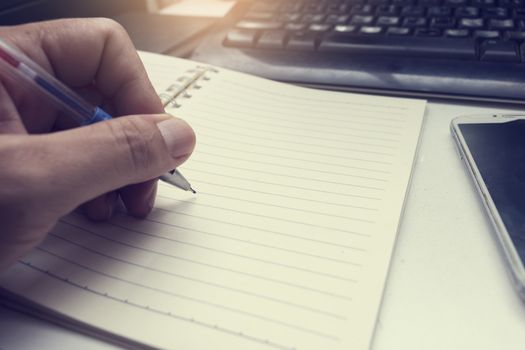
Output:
x=83 y=163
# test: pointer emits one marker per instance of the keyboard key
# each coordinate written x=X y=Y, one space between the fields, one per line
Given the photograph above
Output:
x=302 y=41
x=501 y=23
x=486 y=34
x=467 y=12
x=246 y=24
x=427 y=32
x=471 y=23
x=313 y=18
x=398 y=31
x=313 y=7
x=387 y=10
x=457 y=33
x=240 y=38
x=337 y=19
x=414 y=22
x=345 y=28
x=363 y=9
x=495 y=12
x=319 y=28
x=442 y=22
x=519 y=13
x=336 y=8
x=400 y=45
x=290 y=17
x=371 y=30
x=360 y=19
x=413 y=11
x=515 y=35
x=387 y=21
x=439 y=11
x=272 y=39
x=498 y=50
x=295 y=26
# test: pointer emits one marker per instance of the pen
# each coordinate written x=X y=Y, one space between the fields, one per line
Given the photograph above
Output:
x=18 y=66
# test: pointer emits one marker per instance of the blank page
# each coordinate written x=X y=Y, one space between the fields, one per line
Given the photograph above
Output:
x=286 y=244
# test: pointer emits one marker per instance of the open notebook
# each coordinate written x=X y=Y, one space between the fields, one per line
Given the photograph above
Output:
x=286 y=244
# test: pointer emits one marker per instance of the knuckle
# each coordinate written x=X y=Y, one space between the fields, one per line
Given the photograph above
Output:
x=111 y=27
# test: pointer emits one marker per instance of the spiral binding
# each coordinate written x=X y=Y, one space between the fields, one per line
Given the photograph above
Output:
x=171 y=96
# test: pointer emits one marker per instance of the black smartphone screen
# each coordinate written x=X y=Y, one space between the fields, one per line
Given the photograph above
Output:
x=499 y=152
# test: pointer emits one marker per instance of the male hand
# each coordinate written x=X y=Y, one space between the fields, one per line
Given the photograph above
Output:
x=46 y=170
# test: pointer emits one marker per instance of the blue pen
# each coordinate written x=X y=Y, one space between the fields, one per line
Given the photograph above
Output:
x=16 y=65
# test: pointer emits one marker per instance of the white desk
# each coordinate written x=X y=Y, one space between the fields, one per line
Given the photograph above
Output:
x=448 y=287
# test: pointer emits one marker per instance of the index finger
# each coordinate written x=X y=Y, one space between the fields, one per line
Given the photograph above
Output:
x=84 y=52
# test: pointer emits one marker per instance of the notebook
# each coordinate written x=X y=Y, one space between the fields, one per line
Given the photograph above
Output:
x=286 y=244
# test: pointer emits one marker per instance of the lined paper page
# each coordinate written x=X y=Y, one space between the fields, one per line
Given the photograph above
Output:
x=286 y=244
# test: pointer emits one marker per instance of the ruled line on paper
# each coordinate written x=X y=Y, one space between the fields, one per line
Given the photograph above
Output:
x=238 y=84
x=318 y=181
x=270 y=147
x=265 y=204
x=317 y=170
x=222 y=165
x=348 y=263
x=309 y=137
x=262 y=119
x=339 y=245
x=220 y=155
x=293 y=112
x=233 y=132
x=344 y=166
x=149 y=309
x=279 y=196
x=344 y=158
x=290 y=186
x=347 y=149
x=176 y=257
x=239 y=272
x=195 y=300
x=328 y=228
x=349 y=218
x=287 y=250
x=295 y=142
x=287 y=175
x=200 y=281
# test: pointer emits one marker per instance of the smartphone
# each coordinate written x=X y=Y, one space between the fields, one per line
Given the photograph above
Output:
x=493 y=151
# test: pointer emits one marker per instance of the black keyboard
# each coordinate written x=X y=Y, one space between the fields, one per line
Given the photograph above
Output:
x=467 y=49
x=491 y=30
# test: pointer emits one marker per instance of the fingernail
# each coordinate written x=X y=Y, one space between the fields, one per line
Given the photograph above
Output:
x=178 y=135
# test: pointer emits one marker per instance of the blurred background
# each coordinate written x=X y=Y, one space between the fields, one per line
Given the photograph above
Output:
x=164 y=26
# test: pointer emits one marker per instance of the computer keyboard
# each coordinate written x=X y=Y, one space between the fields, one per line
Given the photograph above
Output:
x=487 y=30
x=462 y=49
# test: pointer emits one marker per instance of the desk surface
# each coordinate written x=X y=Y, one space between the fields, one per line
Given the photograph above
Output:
x=448 y=287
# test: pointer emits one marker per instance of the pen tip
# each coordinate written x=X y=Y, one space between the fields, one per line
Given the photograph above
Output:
x=193 y=191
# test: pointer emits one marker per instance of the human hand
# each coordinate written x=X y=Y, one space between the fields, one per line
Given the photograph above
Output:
x=47 y=171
